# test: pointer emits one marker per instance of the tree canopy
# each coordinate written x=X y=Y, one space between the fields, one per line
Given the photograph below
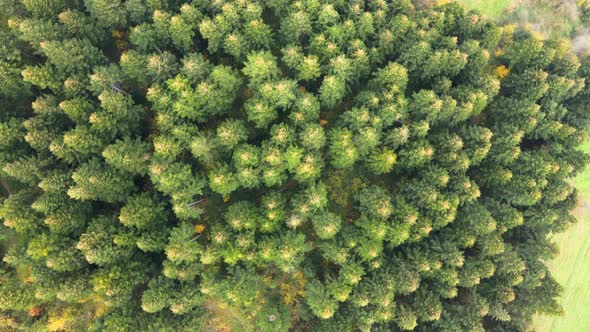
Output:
x=276 y=165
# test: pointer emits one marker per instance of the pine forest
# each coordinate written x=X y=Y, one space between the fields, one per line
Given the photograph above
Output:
x=281 y=165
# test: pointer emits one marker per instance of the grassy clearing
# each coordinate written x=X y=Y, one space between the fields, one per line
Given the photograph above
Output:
x=572 y=267
x=491 y=8
x=549 y=18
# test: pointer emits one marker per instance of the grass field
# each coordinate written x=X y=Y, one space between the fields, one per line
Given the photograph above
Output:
x=550 y=18
x=491 y=8
x=572 y=267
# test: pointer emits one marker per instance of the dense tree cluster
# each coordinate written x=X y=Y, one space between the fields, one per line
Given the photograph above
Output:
x=274 y=165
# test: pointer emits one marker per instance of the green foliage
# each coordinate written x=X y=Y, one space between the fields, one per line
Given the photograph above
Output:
x=381 y=162
x=260 y=67
x=72 y=55
x=109 y=14
x=320 y=301
x=142 y=212
x=97 y=244
x=281 y=165
x=230 y=133
x=326 y=225
x=222 y=181
x=95 y=181
x=128 y=155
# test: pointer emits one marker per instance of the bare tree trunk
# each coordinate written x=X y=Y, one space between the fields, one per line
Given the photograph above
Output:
x=5 y=186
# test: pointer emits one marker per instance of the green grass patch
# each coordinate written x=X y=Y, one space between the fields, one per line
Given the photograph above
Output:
x=582 y=181
x=572 y=267
x=551 y=18
x=490 y=8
